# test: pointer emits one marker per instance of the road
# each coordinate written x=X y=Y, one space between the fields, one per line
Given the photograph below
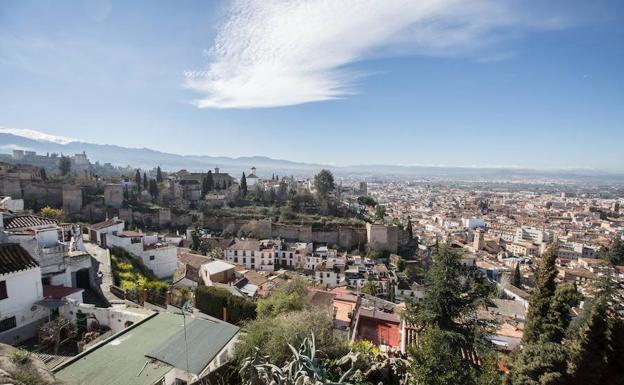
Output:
x=102 y=256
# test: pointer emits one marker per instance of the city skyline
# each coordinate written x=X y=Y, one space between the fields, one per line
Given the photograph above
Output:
x=487 y=85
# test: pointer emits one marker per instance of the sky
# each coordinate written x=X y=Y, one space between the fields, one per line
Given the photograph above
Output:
x=411 y=82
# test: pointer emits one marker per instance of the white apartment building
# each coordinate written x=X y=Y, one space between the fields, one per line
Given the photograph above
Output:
x=532 y=234
x=253 y=254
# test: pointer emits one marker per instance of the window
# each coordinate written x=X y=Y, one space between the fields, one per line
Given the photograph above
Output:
x=3 y=290
x=8 y=323
x=152 y=257
x=235 y=252
x=235 y=259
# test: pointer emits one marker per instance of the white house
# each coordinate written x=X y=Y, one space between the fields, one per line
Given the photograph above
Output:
x=20 y=289
x=252 y=178
x=99 y=231
x=157 y=255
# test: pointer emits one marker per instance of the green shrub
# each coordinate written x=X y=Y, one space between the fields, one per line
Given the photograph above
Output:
x=211 y=300
x=20 y=357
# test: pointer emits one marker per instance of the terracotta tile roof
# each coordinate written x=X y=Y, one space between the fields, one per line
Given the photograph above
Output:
x=58 y=292
x=194 y=260
x=105 y=224
x=13 y=257
x=26 y=221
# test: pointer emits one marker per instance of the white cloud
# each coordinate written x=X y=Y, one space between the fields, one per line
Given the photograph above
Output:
x=270 y=53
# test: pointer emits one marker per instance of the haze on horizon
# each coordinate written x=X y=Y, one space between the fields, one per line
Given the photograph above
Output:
x=434 y=82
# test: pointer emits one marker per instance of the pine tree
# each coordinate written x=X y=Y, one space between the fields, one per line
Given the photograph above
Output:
x=137 y=179
x=243 y=185
x=516 y=278
x=159 y=176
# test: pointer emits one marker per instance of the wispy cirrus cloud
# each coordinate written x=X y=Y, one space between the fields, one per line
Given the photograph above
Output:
x=272 y=53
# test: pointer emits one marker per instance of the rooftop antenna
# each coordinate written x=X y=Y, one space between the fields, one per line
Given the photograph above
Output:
x=188 y=306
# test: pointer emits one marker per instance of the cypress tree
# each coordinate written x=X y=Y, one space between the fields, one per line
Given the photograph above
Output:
x=137 y=179
x=516 y=278
x=159 y=177
x=410 y=231
x=543 y=294
x=209 y=181
x=243 y=185
x=145 y=185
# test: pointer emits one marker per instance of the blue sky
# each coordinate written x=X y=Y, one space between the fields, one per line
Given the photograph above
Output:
x=431 y=82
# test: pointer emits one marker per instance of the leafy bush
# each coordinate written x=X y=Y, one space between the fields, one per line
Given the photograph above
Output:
x=271 y=336
x=20 y=357
x=291 y=297
x=211 y=300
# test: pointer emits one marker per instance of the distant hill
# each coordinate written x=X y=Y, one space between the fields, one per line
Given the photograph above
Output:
x=147 y=158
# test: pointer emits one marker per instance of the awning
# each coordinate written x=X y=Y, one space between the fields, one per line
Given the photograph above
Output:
x=50 y=303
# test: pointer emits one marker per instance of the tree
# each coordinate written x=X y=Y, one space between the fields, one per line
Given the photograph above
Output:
x=400 y=264
x=380 y=212
x=540 y=363
x=291 y=297
x=369 y=287
x=243 y=185
x=159 y=176
x=437 y=361
x=213 y=300
x=145 y=183
x=324 y=182
x=453 y=293
x=270 y=336
x=367 y=201
x=593 y=348
x=43 y=174
x=51 y=213
x=544 y=359
x=516 y=277
x=410 y=230
x=617 y=251
x=64 y=165
x=209 y=181
x=137 y=179
x=153 y=188
x=543 y=294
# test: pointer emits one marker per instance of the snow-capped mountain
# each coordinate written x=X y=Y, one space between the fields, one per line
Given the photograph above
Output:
x=36 y=135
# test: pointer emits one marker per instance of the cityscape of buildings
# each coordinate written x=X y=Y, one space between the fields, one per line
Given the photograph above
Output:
x=364 y=255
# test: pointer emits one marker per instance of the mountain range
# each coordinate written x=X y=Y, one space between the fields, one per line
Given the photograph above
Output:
x=146 y=158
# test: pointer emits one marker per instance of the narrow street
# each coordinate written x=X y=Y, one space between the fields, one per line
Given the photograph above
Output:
x=102 y=256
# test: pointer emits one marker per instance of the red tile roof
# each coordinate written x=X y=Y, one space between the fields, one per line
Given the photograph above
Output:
x=58 y=292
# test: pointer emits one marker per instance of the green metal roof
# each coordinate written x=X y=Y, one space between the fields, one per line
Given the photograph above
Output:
x=124 y=361
x=205 y=340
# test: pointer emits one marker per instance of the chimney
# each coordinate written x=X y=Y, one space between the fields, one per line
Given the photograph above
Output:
x=225 y=314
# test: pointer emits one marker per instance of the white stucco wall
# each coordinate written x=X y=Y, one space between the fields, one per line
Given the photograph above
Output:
x=23 y=289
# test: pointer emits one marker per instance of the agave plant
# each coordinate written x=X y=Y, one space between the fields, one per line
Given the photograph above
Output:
x=302 y=369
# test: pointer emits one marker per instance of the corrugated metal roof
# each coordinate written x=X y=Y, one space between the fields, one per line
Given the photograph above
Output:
x=205 y=340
